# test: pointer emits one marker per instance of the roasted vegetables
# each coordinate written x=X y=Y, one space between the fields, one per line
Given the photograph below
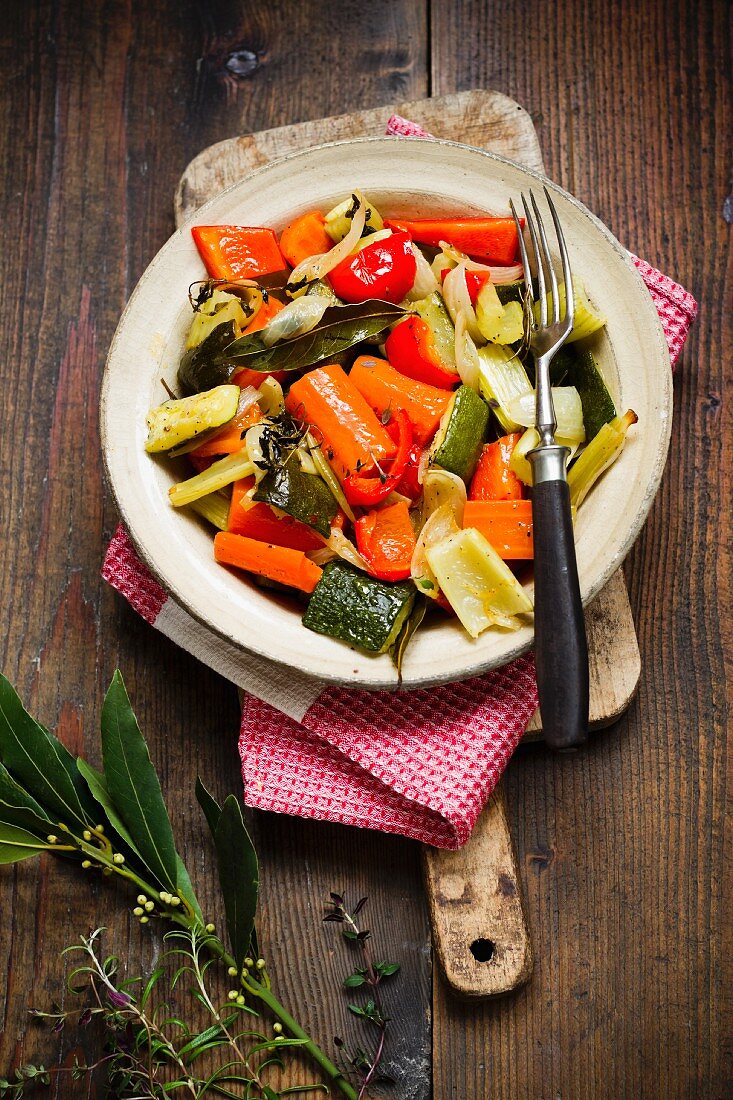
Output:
x=359 y=426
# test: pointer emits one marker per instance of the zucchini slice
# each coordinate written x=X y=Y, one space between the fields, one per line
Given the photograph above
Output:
x=581 y=370
x=461 y=434
x=358 y=609
x=303 y=496
x=178 y=421
x=433 y=312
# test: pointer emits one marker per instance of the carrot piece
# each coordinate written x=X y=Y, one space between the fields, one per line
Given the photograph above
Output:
x=258 y=521
x=386 y=540
x=384 y=389
x=231 y=438
x=278 y=563
x=492 y=478
x=305 y=237
x=238 y=251
x=264 y=315
x=353 y=438
x=493 y=240
x=506 y=524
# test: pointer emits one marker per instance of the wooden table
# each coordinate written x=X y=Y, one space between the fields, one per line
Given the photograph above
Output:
x=624 y=848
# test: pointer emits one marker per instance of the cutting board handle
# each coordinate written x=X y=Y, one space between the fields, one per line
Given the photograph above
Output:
x=479 y=930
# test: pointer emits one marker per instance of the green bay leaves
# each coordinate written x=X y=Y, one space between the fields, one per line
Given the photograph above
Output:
x=17 y=844
x=340 y=328
x=134 y=788
x=40 y=763
x=239 y=875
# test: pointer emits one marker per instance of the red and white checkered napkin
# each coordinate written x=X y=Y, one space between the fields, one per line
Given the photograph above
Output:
x=421 y=763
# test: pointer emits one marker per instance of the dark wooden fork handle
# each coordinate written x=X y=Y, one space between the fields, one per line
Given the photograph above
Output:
x=561 y=649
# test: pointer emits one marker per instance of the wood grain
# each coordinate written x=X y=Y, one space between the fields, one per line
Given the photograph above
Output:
x=626 y=847
x=479 y=927
x=625 y=844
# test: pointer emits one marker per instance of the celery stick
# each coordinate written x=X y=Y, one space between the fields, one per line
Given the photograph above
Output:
x=601 y=452
x=214 y=508
x=221 y=473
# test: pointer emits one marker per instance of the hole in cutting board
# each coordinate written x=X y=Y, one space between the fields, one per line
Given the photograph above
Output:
x=483 y=950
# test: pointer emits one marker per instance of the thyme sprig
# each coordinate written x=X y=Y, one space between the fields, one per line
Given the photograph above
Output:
x=369 y=977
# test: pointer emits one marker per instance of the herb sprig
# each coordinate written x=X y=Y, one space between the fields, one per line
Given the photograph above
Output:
x=114 y=822
x=368 y=977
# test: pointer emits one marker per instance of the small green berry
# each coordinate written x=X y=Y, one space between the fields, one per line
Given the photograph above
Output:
x=138 y=911
x=141 y=899
x=99 y=828
x=277 y=1028
x=175 y=900
x=118 y=858
x=149 y=906
x=107 y=871
x=260 y=964
x=86 y=864
x=52 y=839
x=240 y=999
x=63 y=828
x=245 y=972
x=232 y=971
x=144 y=920
x=249 y=962
x=87 y=835
x=211 y=928
x=232 y=994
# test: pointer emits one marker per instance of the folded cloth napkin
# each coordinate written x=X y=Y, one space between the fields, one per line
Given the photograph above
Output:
x=420 y=763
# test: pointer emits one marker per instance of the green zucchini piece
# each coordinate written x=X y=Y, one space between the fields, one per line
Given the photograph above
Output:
x=461 y=433
x=179 y=421
x=432 y=310
x=303 y=496
x=580 y=369
x=358 y=609
x=208 y=365
x=510 y=292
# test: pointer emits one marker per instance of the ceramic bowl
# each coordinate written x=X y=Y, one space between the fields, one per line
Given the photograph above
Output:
x=400 y=175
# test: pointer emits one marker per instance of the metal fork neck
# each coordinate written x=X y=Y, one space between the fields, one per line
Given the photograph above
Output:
x=545 y=411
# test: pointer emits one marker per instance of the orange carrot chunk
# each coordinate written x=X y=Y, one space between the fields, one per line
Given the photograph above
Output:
x=493 y=479
x=257 y=520
x=385 y=389
x=354 y=440
x=277 y=563
x=305 y=237
x=506 y=524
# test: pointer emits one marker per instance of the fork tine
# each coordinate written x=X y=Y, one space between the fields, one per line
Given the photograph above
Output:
x=566 y=274
x=540 y=269
x=522 y=252
x=547 y=261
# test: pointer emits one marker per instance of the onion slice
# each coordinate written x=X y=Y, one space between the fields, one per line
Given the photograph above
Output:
x=294 y=319
x=317 y=267
x=458 y=300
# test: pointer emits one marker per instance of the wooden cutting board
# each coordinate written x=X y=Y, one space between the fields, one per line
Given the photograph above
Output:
x=479 y=928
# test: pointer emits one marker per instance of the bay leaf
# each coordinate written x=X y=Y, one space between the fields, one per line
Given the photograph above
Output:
x=340 y=328
x=209 y=805
x=17 y=844
x=17 y=807
x=97 y=784
x=133 y=785
x=238 y=877
x=38 y=761
x=410 y=625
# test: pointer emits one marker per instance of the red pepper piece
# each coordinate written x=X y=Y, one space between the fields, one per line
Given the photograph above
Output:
x=367 y=491
x=493 y=479
x=409 y=484
x=384 y=270
x=238 y=251
x=386 y=541
x=411 y=350
x=259 y=522
x=493 y=240
x=475 y=282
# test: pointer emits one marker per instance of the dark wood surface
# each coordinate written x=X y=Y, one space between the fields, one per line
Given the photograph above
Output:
x=626 y=846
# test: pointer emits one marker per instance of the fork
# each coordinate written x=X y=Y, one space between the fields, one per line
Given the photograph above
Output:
x=561 y=649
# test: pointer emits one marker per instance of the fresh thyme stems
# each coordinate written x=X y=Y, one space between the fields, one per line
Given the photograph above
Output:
x=115 y=822
x=369 y=975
